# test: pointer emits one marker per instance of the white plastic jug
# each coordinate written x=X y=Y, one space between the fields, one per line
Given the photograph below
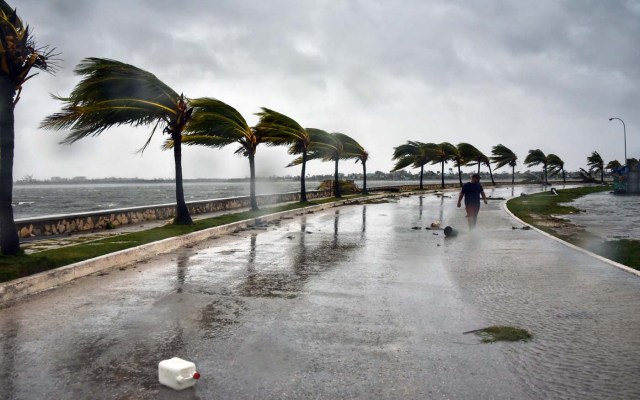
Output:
x=177 y=373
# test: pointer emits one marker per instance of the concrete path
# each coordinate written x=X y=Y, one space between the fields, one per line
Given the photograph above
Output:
x=346 y=303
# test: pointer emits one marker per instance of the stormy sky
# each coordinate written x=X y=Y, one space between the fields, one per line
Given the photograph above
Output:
x=528 y=75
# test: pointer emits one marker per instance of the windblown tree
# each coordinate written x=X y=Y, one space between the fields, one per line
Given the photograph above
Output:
x=444 y=152
x=471 y=155
x=362 y=156
x=414 y=154
x=537 y=157
x=596 y=164
x=282 y=130
x=458 y=161
x=501 y=156
x=332 y=147
x=217 y=124
x=19 y=55
x=613 y=165
x=556 y=166
x=113 y=93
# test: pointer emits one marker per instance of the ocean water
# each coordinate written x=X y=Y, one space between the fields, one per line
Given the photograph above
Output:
x=36 y=200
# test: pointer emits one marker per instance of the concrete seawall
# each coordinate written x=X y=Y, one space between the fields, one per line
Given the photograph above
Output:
x=107 y=219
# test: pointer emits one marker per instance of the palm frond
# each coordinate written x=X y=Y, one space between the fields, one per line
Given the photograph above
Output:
x=113 y=93
x=536 y=157
x=502 y=155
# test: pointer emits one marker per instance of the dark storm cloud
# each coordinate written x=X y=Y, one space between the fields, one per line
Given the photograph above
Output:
x=526 y=74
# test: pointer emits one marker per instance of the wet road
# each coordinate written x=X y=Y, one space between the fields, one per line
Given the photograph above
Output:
x=346 y=303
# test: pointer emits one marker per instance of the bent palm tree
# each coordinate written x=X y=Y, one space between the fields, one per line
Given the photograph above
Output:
x=18 y=56
x=556 y=165
x=217 y=124
x=113 y=93
x=284 y=131
x=332 y=147
x=363 y=156
x=613 y=165
x=444 y=152
x=471 y=155
x=596 y=164
x=414 y=154
x=537 y=157
x=501 y=156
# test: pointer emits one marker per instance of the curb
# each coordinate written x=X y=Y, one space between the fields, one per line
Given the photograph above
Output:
x=16 y=289
x=570 y=245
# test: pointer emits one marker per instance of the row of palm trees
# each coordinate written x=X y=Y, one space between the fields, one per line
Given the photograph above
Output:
x=112 y=93
x=418 y=154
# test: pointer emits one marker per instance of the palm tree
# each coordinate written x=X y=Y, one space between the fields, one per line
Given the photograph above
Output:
x=363 y=156
x=284 y=131
x=501 y=156
x=217 y=124
x=556 y=165
x=458 y=162
x=444 y=152
x=613 y=165
x=596 y=164
x=113 y=93
x=332 y=147
x=537 y=157
x=414 y=154
x=18 y=56
x=471 y=155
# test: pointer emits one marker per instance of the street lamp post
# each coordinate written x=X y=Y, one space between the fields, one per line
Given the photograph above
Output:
x=624 y=127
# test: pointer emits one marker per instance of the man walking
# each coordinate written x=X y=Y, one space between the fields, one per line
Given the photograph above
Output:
x=472 y=191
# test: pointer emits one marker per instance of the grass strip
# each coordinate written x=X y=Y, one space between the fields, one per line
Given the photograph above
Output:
x=541 y=210
x=13 y=267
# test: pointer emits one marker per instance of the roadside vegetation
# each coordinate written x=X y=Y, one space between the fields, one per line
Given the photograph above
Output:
x=544 y=211
x=21 y=265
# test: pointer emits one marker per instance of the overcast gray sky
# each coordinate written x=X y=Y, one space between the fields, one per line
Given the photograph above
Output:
x=543 y=74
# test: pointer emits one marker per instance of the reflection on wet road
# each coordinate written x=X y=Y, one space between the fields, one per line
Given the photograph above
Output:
x=350 y=302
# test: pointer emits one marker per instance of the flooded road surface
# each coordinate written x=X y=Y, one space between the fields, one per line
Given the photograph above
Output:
x=351 y=302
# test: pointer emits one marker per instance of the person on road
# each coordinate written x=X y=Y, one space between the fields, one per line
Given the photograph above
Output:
x=472 y=191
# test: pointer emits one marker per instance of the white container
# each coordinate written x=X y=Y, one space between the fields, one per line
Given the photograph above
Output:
x=177 y=373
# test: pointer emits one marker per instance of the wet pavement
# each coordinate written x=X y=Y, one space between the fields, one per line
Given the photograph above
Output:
x=345 y=303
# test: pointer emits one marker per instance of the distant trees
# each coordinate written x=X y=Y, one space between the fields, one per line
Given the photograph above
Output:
x=19 y=54
x=596 y=164
x=501 y=156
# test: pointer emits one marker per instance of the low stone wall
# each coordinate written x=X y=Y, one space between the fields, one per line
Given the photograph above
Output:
x=107 y=219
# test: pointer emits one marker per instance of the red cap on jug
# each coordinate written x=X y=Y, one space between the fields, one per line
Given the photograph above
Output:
x=196 y=375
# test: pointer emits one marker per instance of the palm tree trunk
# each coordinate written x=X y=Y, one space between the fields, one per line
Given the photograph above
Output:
x=442 y=173
x=364 y=177
x=9 y=241
x=182 y=212
x=564 y=178
x=421 y=173
x=459 y=175
x=602 y=174
x=513 y=174
x=544 y=169
x=491 y=175
x=478 y=167
x=252 y=182
x=303 y=187
x=337 y=183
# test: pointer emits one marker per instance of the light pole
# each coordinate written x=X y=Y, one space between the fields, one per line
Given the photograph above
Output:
x=625 y=138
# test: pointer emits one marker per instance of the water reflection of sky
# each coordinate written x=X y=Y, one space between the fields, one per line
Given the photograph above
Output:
x=609 y=216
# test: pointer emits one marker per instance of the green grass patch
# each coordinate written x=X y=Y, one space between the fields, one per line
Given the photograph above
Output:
x=527 y=208
x=13 y=267
x=494 y=334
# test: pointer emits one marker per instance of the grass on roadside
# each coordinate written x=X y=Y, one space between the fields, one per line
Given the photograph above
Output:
x=540 y=208
x=13 y=267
